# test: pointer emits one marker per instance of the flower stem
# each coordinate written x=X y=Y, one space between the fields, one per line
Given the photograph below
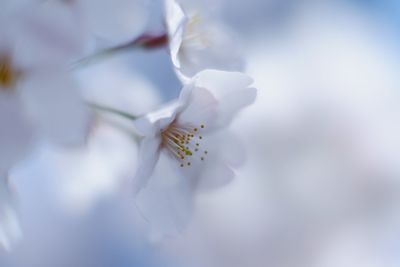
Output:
x=145 y=41
x=113 y=111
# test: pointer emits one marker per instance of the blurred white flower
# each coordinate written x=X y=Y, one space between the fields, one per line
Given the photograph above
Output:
x=199 y=42
x=34 y=90
x=36 y=95
x=186 y=146
x=113 y=21
x=98 y=170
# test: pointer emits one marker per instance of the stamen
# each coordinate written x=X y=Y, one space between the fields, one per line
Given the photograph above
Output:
x=177 y=140
x=8 y=75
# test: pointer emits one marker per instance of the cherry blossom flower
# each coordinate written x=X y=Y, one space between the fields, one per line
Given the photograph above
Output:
x=186 y=146
x=37 y=97
x=198 y=42
x=36 y=94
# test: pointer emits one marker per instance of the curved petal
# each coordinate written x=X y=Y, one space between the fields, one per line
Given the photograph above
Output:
x=55 y=106
x=15 y=130
x=201 y=109
x=231 y=89
x=151 y=123
x=210 y=47
x=176 y=23
x=149 y=154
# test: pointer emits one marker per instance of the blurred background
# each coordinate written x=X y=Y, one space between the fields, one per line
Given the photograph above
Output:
x=321 y=184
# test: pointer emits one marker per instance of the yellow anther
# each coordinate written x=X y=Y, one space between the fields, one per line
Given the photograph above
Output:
x=8 y=76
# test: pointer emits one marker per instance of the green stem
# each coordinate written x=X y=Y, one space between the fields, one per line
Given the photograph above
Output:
x=100 y=55
x=113 y=111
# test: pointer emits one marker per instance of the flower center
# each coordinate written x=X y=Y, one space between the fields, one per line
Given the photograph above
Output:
x=8 y=76
x=195 y=35
x=183 y=143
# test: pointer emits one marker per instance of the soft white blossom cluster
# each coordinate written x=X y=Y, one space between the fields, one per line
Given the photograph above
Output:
x=64 y=82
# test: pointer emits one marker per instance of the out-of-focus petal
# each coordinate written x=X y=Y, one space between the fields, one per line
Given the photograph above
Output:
x=149 y=155
x=55 y=106
x=116 y=21
x=10 y=231
x=48 y=34
x=15 y=130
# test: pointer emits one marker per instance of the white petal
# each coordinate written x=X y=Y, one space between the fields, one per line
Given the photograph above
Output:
x=15 y=130
x=145 y=127
x=148 y=157
x=198 y=42
x=231 y=89
x=115 y=20
x=166 y=203
x=214 y=48
x=201 y=109
x=176 y=23
x=54 y=104
x=224 y=152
